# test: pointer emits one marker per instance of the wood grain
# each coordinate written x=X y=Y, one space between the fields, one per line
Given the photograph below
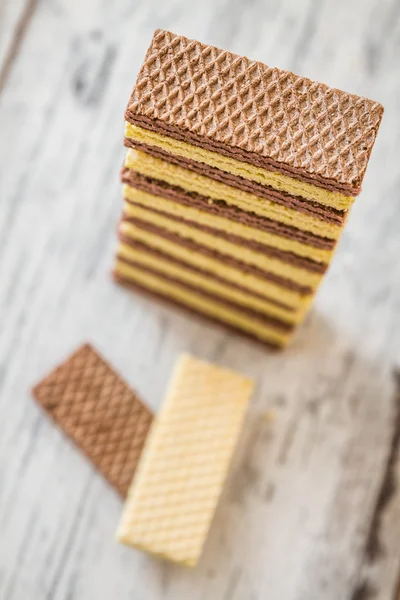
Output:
x=14 y=20
x=312 y=507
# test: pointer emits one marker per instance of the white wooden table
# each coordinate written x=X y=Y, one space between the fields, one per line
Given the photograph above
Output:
x=312 y=507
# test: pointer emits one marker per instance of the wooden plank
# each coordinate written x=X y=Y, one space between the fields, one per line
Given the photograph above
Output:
x=306 y=500
x=15 y=16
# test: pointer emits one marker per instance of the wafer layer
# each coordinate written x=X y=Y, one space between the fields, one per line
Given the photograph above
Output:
x=284 y=273
x=180 y=478
x=257 y=114
x=262 y=182
x=135 y=252
x=227 y=196
x=288 y=273
x=207 y=304
x=279 y=238
x=99 y=412
x=211 y=261
x=249 y=259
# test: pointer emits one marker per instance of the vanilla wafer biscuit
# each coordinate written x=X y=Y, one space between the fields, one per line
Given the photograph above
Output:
x=180 y=477
x=99 y=412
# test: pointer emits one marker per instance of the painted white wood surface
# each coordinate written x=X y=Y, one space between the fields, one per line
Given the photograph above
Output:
x=14 y=17
x=312 y=507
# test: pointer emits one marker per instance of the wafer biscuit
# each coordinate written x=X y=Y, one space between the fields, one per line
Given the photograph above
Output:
x=247 y=110
x=185 y=462
x=99 y=412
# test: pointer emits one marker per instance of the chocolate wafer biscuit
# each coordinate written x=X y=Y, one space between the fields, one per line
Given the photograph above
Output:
x=266 y=116
x=92 y=404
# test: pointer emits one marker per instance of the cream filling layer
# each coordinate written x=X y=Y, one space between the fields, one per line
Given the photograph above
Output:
x=223 y=246
x=189 y=181
x=273 y=179
x=203 y=305
x=183 y=274
x=149 y=201
x=217 y=267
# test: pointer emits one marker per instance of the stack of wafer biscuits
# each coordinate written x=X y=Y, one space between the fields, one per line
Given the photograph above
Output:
x=238 y=181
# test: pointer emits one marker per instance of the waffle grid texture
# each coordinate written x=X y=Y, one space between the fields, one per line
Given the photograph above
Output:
x=99 y=412
x=290 y=120
x=185 y=462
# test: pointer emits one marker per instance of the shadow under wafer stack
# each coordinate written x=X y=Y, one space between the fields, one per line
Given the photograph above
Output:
x=238 y=180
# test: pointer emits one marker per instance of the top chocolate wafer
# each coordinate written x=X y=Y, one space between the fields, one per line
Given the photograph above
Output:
x=258 y=114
